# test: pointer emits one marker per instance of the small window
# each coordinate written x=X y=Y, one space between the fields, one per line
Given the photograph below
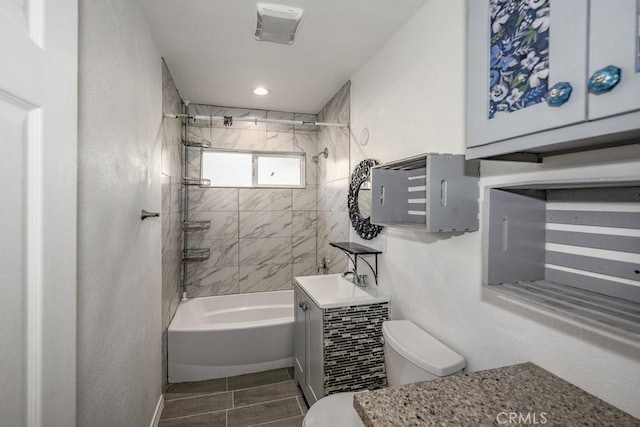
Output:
x=253 y=169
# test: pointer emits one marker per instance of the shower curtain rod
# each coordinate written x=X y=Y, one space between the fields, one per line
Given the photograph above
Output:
x=255 y=120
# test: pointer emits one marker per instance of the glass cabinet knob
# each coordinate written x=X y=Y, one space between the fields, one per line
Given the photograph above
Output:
x=559 y=94
x=604 y=79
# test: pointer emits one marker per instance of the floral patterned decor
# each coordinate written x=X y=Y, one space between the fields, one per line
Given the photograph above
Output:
x=519 y=58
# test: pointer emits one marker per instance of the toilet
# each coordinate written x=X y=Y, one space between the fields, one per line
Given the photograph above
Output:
x=411 y=355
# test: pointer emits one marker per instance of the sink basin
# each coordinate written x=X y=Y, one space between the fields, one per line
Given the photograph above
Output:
x=332 y=290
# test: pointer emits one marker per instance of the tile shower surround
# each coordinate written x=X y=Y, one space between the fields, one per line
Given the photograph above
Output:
x=333 y=181
x=259 y=238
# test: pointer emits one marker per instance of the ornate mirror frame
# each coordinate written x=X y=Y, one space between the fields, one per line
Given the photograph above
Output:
x=362 y=225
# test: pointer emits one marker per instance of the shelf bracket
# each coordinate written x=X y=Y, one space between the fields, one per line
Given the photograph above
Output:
x=359 y=251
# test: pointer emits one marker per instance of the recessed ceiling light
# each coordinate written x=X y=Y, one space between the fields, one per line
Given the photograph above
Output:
x=261 y=91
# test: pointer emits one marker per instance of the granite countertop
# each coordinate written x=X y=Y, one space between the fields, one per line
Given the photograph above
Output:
x=489 y=398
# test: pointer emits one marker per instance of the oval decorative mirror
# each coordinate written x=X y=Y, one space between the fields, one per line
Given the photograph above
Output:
x=359 y=200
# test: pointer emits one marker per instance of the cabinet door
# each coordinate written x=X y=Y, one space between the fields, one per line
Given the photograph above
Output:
x=614 y=39
x=299 y=338
x=315 y=351
x=518 y=50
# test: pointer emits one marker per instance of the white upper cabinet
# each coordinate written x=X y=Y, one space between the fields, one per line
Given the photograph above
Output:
x=547 y=76
x=614 y=40
x=516 y=55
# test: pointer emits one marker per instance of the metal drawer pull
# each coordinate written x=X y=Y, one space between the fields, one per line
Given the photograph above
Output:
x=604 y=79
x=559 y=94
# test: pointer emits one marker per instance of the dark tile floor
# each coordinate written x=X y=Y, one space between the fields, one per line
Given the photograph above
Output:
x=270 y=399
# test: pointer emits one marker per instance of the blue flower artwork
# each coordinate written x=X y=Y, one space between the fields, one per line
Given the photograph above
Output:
x=519 y=54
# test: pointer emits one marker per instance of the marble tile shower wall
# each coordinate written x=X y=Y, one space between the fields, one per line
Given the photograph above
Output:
x=171 y=208
x=333 y=181
x=259 y=238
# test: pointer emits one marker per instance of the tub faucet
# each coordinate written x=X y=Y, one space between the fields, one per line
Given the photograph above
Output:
x=357 y=279
x=324 y=267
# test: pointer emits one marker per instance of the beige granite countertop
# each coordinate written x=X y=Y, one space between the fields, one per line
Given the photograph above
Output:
x=522 y=394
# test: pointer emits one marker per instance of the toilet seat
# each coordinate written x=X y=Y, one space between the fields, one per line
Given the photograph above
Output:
x=334 y=410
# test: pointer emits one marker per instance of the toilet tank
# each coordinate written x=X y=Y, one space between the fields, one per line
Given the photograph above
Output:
x=413 y=355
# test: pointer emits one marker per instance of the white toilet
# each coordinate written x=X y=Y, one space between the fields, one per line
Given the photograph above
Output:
x=411 y=355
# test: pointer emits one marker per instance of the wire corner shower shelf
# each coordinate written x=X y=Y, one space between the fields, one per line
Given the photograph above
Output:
x=196 y=144
x=193 y=255
x=200 y=225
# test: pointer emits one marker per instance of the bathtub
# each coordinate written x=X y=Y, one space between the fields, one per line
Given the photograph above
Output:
x=216 y=337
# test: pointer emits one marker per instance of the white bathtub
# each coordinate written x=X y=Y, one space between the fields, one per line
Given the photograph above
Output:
x=215 y=337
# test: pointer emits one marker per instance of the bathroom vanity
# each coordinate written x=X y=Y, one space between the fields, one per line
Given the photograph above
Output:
x=523 y=392
x=338 y=336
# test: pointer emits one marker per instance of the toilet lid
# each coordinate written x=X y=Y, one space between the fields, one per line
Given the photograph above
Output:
x=421 y=349
x=335 y=410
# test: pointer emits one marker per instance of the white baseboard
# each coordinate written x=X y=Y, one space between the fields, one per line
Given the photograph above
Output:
x=156 y=415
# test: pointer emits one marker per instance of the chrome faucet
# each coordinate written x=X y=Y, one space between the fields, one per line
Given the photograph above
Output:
x=357 y=279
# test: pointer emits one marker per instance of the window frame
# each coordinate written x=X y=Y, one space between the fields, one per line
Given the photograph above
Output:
x=254 y=166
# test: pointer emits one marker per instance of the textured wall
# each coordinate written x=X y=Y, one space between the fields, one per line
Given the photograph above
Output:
x=259 y=238
x=333 y=180
x=119 y=256
x=411 y=96
x=171 y=208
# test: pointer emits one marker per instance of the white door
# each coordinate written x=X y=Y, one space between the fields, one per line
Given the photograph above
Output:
x=38 y=164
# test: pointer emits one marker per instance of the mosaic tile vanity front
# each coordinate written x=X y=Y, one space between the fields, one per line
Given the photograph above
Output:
x=353 y=348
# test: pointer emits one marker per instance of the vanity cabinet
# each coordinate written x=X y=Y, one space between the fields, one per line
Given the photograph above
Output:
x=308 y=357
x=530 y=67
x=337 y=348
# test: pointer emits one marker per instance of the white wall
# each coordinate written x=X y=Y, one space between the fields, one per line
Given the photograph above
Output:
x=411 y=96
x=119 y=256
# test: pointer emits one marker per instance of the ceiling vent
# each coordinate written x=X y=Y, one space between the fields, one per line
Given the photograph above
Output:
x=277 y=23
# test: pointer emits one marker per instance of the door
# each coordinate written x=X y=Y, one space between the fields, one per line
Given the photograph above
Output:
x=614 y=39
x=315 y=352
x=299 y=338
x=38 y=162
x=518 y=50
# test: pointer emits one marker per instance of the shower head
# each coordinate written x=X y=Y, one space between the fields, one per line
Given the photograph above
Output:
x=324 y=152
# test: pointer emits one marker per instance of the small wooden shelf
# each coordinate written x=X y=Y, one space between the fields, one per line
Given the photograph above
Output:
x=434 y=192
x=354 y=248
x=550 y=243
x=613 y=314
x=358 y=251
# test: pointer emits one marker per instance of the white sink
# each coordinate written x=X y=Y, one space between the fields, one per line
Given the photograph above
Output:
x=332 y=290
